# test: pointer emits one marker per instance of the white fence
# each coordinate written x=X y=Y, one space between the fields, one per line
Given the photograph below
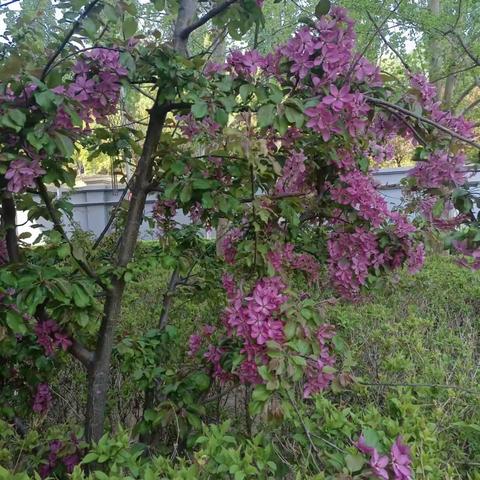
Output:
x=93 y=203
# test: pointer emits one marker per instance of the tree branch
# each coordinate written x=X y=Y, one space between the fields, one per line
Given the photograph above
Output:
x=9 y=222
x=389 y=105
x=98 y=241
x=167 y=298
x=81 y=353
x=69 y=35
x=6 y=4
x=184 y=34
x=388 y=44
x=43 y=192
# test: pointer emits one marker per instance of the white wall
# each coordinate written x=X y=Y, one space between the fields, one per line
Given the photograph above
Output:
x=93 y=203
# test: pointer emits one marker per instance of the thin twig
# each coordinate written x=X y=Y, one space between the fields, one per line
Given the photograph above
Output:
x=43 y=192
x=8 y=3
x=421 y=385
x=69 y=35
x=384 y=103
x=387 y=43
x=112 y=217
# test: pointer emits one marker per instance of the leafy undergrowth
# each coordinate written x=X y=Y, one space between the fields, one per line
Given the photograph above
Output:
x=411 y=347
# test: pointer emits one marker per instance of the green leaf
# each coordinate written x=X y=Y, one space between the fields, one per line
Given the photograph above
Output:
x=18 y=117
x=159 y=5
x=265 y=115
x=129 y=27
x=90 y=27
x=194 y=420
x=260 y=394
x=202 y=184
x=80 y=298
x=438 y=207
x=221 y=116
x=207 y=200
x=15 y=322
x=354 y=462
x=46 y=100
x=200 y=109
x=322 y=8
x=201 y=381
x=64 y=250
x=64 y=144
x=186 y=193
x=245 y=91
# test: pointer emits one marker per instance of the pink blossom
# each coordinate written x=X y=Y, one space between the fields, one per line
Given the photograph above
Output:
x=338 y=99
x=283 y=256
x=21 y=174
x=50 y=337
x=323 y=121
x=228 y=244
x=401 y=461
x=358 y=191
x=194 y=343
x=294 y=174
x=43 y=398
x=440 y=169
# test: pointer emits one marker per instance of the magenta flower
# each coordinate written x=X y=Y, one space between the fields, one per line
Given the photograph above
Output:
x=378 y=464
x=21 y=174
x=401 y=461
x=338 y=99
x=43 y=398
x=194 y=343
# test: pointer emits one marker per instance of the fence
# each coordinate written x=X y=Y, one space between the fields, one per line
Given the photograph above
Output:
x=93 y=202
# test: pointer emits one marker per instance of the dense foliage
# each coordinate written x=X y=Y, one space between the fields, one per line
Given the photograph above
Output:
x=273 y=150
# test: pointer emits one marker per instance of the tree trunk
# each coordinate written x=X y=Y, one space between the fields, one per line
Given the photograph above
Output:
x=435 y=50
x=448 y=91
x=99 y=371
x=9 y=218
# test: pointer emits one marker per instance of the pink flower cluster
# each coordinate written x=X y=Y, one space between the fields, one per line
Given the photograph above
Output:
x=228 y=244
x=50 y=337
x=284 y=256
x=163 y=213
x=246 y=64
x=440 y=169
x=338 y=111
x=428 y=96
x=358 y=191
x=69 y=461
x=256 y=319
x=355 y=255
x=470 y=255
x=192 y=127
x=294 y=175
x=317 y=379
x=21 y=174
x=351 y=256
x=43 y=398
x=96 y=87
x=447 y=219
x=195 y=340
x=196 y=211
x=397 y=467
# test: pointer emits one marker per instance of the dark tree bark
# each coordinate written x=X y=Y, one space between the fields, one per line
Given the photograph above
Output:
x=100 y=368
x=9 y=218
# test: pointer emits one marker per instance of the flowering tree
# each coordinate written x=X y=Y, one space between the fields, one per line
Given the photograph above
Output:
x=278 y=146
